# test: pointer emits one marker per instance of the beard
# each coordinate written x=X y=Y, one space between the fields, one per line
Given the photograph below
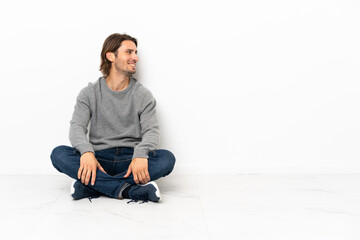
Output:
x=125 y=70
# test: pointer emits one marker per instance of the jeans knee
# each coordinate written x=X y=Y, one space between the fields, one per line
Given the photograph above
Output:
x=57 y=155
x=170 y=158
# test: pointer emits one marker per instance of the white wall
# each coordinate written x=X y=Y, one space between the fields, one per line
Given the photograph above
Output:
x=242 y=86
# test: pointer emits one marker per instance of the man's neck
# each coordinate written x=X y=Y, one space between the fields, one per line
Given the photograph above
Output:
x=117 y=83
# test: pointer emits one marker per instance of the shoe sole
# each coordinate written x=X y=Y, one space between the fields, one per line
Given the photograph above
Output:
x=72 y=189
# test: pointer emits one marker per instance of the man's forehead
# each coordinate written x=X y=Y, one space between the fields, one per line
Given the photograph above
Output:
x=127 y=44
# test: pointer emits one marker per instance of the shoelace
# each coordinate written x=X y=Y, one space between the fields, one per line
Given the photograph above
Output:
x=139 y=195
x=143 y=201
x=132 y=200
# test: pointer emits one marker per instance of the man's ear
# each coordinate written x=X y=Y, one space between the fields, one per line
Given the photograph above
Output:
x=110 y=56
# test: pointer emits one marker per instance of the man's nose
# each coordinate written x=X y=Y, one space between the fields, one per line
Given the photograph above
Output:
x=135 y=57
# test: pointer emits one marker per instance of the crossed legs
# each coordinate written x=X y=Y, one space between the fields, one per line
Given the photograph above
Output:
x=115 y=161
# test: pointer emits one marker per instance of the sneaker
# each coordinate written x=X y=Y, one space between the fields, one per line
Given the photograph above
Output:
x=79 y=191
x=149 y=191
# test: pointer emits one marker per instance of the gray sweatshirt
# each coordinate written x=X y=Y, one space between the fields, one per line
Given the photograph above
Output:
x=117 y=119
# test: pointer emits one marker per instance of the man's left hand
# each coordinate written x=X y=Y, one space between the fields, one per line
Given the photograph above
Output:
x=139 y=168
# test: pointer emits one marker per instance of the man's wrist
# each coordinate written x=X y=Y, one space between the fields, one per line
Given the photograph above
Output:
x=87 y=153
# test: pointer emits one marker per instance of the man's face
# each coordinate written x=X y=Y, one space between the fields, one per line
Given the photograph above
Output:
x=125 y=61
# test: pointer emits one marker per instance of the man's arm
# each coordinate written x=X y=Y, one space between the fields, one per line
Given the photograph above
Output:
x=79 y=123
x=149 y=128
x=77 y=134
x=150 y=140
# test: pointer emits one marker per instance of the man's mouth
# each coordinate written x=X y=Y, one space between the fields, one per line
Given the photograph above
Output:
x=132 y=64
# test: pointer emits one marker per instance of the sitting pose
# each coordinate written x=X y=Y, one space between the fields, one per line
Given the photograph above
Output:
x=119 y=158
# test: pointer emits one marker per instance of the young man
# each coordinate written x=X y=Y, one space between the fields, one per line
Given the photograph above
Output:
x=120 y=159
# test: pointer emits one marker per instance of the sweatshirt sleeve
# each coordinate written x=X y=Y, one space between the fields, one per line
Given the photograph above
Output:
x=149 y=128
x=79 y=123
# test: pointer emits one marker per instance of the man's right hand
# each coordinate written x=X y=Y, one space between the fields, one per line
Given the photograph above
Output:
x=88 y=166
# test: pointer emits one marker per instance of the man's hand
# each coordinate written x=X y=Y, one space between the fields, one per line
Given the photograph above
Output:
x=139 y=169
x=88 y=166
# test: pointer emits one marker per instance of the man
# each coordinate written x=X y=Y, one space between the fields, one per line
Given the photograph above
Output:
x=120 y=159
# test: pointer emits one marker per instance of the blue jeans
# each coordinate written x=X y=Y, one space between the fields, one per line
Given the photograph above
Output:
x=115 y=161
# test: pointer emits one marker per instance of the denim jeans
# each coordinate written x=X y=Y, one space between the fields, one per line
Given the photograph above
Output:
x=115 y=161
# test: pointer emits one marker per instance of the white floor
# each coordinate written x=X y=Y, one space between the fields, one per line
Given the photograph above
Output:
x=222 y=207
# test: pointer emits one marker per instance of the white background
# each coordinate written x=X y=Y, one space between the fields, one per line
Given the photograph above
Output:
x=241 y=86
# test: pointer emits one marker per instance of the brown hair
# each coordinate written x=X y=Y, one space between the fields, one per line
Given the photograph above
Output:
x=111 y=44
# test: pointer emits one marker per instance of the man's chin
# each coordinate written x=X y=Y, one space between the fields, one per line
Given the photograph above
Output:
x=129 y=73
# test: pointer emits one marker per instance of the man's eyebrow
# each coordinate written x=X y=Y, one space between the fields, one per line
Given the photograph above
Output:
x=130 y=50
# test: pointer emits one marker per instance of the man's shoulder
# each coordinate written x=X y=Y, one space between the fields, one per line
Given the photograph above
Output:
x=94 y=84
x=90 y=88
x=141 y=90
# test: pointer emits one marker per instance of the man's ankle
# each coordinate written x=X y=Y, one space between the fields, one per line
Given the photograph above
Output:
x=124 y=191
